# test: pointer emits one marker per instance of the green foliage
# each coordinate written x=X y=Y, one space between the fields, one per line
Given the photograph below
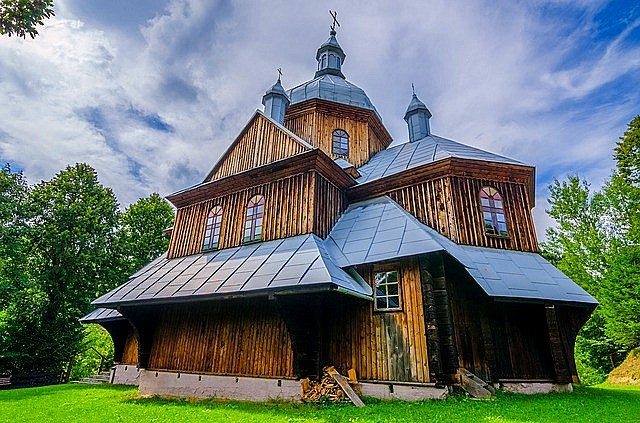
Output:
x=20 y=17
x=597 y=244
x=80 y=403
x=64 y=244
x=140 y=236
x=96 y=344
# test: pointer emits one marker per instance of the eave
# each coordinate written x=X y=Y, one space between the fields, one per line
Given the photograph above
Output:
x=314 y=160
x=451 y=166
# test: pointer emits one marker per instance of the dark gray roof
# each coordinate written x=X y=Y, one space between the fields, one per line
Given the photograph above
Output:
x=102 y=315
x=332 y=88
x=380 y=229
x=284 y=265
x=427 y=150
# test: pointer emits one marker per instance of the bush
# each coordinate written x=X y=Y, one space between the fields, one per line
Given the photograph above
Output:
x=87 y=363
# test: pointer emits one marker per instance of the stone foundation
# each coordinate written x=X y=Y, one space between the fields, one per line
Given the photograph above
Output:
x=125 y=374
x=211 y=386
x=402 y=391
x=535 y=387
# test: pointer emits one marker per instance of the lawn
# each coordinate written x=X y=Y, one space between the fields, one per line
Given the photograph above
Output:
x=84 y=403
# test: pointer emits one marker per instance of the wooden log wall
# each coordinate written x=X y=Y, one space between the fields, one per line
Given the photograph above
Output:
x=241 y=337
x=517 y=208
x=451 y=205
x=296 y=205
x=130 y=353
x=329 y=202
x=262 y=142
x=498 y=340
x=379 y=345
x=315 y=121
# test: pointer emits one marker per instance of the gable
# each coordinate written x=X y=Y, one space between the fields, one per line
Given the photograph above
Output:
x=262 y=141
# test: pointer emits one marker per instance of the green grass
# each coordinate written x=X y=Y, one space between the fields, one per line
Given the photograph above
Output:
x=106 y=403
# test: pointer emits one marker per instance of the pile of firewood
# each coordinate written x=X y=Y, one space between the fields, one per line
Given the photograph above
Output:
x=332 y=387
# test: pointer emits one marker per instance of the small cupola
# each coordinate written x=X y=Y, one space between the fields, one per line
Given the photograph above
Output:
x=330 y=57
x=417 y=117
x=275 y=102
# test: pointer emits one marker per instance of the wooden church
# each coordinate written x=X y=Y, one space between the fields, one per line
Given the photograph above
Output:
x=313 y=242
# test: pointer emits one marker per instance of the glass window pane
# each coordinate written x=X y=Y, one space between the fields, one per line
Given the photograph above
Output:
x=394 y=302
x=498 y=204
x=485 y=202
x=381 y=303
x=392 y=277
x=392 y=289
x=500 y=217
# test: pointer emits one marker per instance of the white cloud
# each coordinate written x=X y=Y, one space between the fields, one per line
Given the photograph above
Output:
x=507 y=77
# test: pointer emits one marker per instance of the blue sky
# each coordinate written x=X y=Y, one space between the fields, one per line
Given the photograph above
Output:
x=150 y=93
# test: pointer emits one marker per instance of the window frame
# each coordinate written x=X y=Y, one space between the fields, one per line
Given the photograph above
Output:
x=254 y=212
x=398 y=282
x=342 y=142
x=495 y=209
x=213 y=222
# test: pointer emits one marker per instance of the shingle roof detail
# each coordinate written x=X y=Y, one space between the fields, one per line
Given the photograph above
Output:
x=427 y=150
x=379 y=229
x=299 y=262
x=102 y=315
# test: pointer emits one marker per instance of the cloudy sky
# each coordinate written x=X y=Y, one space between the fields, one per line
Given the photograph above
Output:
x=150 y=93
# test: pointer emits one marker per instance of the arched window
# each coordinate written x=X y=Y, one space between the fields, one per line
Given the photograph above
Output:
x=338 y=63
x=340 y=144
x=212 y=230
x=493 y=212
x=323 y=63
x=253 y=224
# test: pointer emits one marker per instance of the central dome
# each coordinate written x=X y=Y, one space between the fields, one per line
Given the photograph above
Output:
x=331 y=88
x=329 y=82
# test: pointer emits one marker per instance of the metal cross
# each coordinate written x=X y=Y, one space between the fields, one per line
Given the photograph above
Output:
x=334 y=15
x=413 y=89
x=279 y=73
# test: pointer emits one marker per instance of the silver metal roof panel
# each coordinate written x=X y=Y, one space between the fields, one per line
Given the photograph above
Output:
x=332 y=88
x=102 y=315
x=500 y=273
x=275 y=265
x=427 y=150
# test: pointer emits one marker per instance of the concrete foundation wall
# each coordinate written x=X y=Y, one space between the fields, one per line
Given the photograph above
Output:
x=211 y=386
x=402 y=392
x=125 y=374
x=535 y=388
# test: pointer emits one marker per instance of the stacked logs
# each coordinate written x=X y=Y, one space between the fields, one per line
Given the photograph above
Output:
x=325 y=389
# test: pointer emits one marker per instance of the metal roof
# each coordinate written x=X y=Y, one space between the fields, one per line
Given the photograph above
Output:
x=332 y=88
x=427 y=150
x=344 y=164
x=299 y=263
x=102 y=315
x=376 y=230
x=416 y=105
x=380 y=229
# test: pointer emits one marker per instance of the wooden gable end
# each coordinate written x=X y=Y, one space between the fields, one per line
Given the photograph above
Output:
x=261 y=142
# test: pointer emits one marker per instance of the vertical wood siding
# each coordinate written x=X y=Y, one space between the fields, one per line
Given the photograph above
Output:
x=452 y=206
x=243 y=337
x=300 y=204
x=317 y=122
x=130 y=353
x=261 y=143
x=380 y=345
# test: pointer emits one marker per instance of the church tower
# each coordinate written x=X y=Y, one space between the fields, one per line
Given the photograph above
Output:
x=334 y=114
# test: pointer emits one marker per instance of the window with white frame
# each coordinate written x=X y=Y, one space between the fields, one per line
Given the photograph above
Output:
x=387 y=290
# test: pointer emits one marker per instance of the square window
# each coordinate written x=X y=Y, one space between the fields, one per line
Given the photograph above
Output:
x=387 y=293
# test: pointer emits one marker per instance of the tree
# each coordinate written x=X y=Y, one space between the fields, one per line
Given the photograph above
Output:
x=20 y=17
x=597 y=244
x=69 y=248
x=141 y=235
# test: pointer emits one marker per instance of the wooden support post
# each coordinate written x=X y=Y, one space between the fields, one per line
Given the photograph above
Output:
x=444 y=316
x=118 y=329
x=560 y=364
x=430 y=321
x=143 y=320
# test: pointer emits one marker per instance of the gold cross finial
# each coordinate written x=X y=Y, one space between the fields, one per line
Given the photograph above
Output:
x=334 y=15
x=279 y=73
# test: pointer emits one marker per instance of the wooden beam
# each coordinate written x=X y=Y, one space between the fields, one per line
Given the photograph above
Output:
x=344 y=384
